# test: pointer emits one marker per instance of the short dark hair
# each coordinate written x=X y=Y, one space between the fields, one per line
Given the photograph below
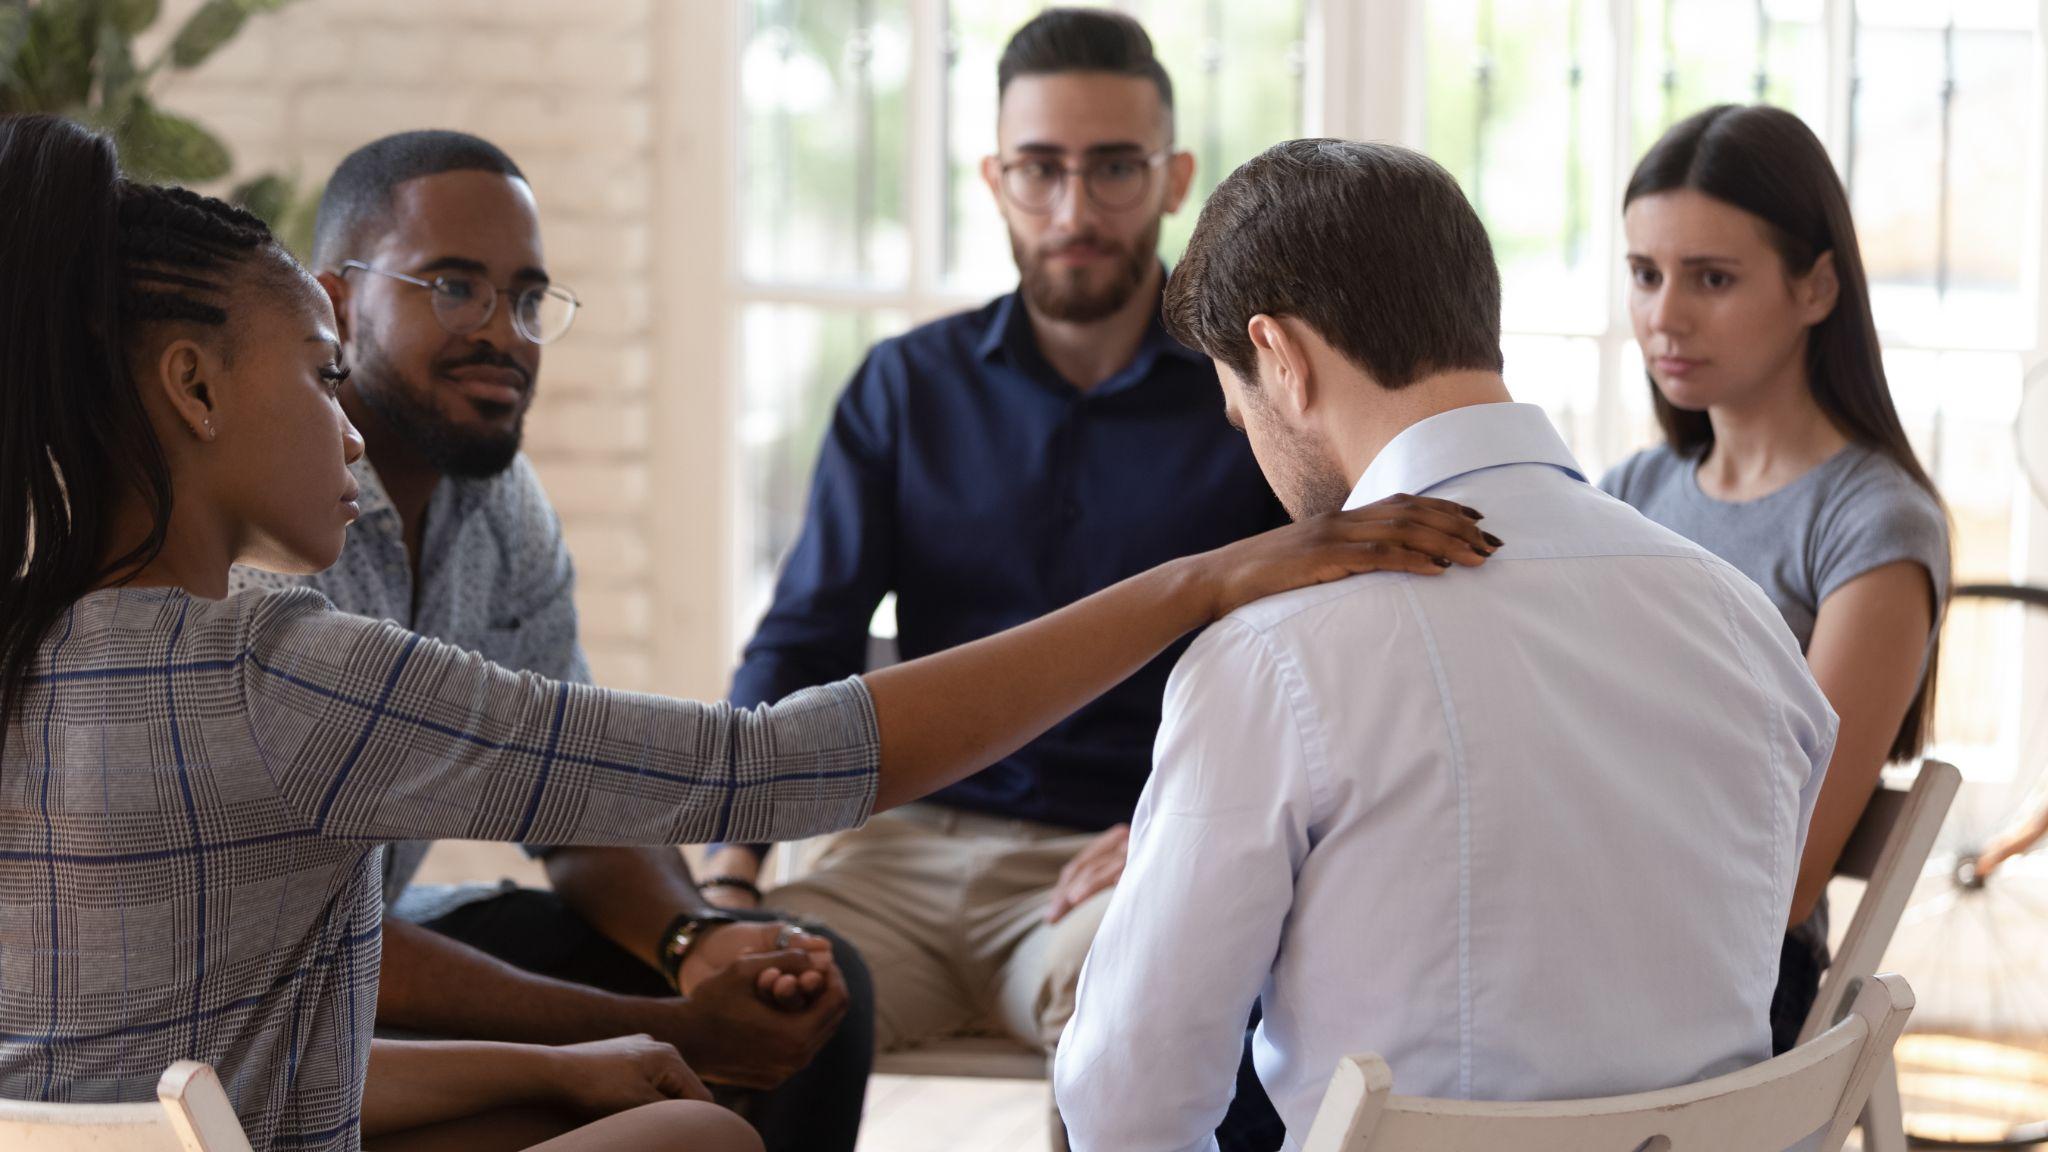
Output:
x=1371 y=245
x=358 y=195
x=1082 y=40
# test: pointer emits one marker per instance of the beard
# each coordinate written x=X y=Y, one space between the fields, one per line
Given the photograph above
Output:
x=1300 y=470
x=409 y=411
x=1066 y=295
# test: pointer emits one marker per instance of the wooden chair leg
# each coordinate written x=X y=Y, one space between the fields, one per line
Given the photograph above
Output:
x=1884 y=1119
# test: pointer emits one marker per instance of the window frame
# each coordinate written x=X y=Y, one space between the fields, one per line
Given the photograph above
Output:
x=1363 y=77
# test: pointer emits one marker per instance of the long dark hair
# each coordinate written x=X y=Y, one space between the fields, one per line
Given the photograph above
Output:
x=87 y=259
x=1768 y=163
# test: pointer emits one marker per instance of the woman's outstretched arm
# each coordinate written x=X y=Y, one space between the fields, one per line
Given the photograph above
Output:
x=952 y=713
x=368 y=732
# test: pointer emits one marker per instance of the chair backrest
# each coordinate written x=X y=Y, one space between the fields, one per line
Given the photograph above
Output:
x=192 y=1114
x=1818 y=1087
x=1887 y=851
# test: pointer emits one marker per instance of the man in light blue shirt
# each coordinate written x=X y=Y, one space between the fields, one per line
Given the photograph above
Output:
x=1528 y=831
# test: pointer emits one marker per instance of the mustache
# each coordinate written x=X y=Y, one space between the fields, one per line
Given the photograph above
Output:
x=1057 y=245
x=485 y=356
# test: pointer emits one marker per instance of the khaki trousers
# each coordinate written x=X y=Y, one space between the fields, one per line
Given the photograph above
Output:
x=948 y=908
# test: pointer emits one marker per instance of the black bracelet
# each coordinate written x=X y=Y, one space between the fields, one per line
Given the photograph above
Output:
x=741 y=883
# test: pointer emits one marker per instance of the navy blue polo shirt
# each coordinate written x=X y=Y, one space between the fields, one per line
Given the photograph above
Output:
x=963 y=473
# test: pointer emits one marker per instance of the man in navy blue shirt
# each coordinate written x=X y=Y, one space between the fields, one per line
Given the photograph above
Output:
x=988 y=468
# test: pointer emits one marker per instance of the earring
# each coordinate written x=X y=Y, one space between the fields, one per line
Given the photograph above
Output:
x=206 y=429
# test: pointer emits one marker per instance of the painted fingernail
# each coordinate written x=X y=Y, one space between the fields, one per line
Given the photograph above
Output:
x=1473 y=513
x=1490 y=538
x=1442 y=561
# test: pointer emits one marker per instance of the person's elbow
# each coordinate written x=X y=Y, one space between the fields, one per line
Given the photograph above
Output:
x=1078 y=1092
x=1105 y=1110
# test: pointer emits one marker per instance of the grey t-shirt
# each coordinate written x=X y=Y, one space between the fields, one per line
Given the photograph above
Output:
x=1855 y=512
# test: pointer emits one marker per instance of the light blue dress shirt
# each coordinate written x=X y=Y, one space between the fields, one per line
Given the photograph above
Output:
x=1528 y=831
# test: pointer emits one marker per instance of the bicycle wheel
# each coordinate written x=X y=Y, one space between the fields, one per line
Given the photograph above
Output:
x=1973 y=1064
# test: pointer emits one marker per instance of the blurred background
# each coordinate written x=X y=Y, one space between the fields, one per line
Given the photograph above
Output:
x=747 y=193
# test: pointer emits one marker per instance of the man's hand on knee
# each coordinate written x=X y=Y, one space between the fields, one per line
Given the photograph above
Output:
x=1093 y=869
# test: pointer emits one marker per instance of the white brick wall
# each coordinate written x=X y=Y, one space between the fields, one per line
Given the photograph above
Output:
x=568 y=90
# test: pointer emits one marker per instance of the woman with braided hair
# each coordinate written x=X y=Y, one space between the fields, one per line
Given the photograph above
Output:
x=192 y=786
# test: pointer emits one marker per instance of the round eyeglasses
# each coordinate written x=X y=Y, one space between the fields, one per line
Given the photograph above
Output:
x=1113 y=183
x=463 y=303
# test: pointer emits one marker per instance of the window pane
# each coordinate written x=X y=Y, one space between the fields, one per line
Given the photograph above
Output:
x=1940 y=191
x=1958 y=409
x=1237 y=80
x=1562 y=375
x=823 y=96
x=1692 y=54
x=976 y=255
x=1639 y=428
x=796 y=361
x=1237 y=87
x=1517 y=105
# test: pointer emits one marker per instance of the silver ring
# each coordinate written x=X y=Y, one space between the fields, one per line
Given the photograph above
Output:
x=782 y=937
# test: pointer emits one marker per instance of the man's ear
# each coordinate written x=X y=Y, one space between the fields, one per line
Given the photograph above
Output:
x=1283 y=361
x=1180 y=176
x=184 y=371
x=337 y=289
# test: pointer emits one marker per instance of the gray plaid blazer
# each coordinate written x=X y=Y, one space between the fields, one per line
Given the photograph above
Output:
x=191 y=797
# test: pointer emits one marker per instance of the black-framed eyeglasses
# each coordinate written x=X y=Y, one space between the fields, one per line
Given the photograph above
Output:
x=463 y=304
x=1113 y=183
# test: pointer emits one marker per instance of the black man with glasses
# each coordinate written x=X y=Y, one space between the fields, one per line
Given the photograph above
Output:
x=429 y=245
x=985 y=468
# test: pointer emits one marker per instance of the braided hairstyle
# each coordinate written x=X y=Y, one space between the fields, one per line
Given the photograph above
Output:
x=89 y=262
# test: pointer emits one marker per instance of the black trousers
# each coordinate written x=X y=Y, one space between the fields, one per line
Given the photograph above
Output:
x=816 y=1110
x=1799 y=969
x=1252 y=1124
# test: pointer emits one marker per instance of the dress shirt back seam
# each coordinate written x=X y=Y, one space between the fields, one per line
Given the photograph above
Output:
x=1773 y=703
x=1456 y=746
x=1308 y=723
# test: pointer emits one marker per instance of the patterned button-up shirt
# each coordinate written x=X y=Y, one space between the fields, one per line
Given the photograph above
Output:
x=495 y=578
x=191 y=796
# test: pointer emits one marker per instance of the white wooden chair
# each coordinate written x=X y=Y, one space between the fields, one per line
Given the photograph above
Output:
x=1818 y=1087
x=191 y=1114
x=1887 y=851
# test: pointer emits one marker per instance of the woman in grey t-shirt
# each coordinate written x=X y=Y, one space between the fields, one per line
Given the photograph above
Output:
x=1783 y=453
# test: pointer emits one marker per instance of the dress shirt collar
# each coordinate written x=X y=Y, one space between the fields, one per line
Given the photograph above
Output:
x=1451 y=444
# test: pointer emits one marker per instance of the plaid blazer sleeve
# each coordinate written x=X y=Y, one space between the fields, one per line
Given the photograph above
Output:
x=374 y=733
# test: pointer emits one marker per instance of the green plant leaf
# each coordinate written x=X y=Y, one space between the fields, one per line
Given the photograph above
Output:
x=120 y=85
x=130 y=17
x=13 y=34
x=206 y=30
x=162 y=147
x=216 y=23
x=268 y=196
x=52 y=69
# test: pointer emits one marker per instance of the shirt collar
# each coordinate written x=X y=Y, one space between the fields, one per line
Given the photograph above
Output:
x=1463 y=440
x=458 y=493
